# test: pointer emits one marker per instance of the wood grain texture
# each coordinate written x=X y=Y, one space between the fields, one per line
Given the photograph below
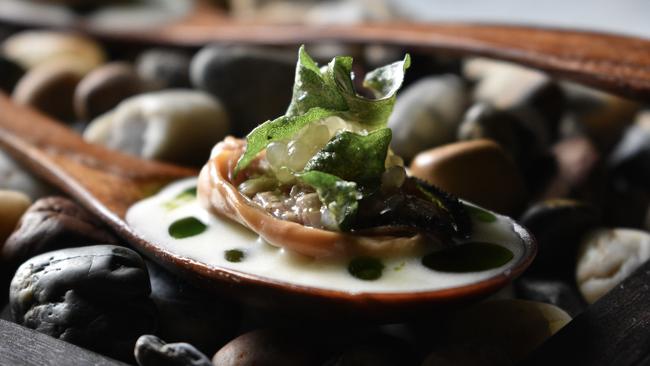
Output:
x=619 y=64
x=93 y=174
x=20 y=346
x=613 y=331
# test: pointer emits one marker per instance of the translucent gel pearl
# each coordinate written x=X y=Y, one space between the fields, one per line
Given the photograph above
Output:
x=284 y=175
x=277 y=154
x=299 y=154
x=316 y=135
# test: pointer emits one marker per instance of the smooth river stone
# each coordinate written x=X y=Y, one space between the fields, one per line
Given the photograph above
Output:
x=630 y=159
x=165 y=68
x=15 y=178
x=53 y=223
x=270 y=347
x=36 y=47
x=478 y=171
x=427 y=114
x=483 y=121
x=254 y=84
x=12 y=206
x=561 y=293
x=599 y=115
x=498 y=332
x=533 y=96
x=50 y=88
x=104 y=88
x=96 y=297
x=153 y=351
x=178 y=126
x=11 y=72
x=607 y=257
x=558 y=226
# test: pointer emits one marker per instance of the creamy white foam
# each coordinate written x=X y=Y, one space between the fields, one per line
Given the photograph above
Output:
x=151 y=218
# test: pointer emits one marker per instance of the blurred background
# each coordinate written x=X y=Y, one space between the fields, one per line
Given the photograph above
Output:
x=623 y=17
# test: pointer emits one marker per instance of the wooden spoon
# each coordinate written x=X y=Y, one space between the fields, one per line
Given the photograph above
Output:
x=619 y=64
x=108 y=183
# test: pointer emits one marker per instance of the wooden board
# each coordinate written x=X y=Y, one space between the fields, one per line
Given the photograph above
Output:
x=22 y=346
x=613 y=331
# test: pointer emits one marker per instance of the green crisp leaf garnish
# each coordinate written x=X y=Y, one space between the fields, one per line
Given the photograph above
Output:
x=318 y=94
x=353 y=157
x=480 y=214
x=276 y=130
x=339 y=196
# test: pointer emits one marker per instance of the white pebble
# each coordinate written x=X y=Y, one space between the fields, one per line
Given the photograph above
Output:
x=179 y=126
x=607 y=257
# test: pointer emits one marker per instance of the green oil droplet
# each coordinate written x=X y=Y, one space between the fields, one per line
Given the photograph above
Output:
x=182 y=198
x=186 y=227
x=234 y=255
x=366 y=268
x=469 y=257
x=480 y=214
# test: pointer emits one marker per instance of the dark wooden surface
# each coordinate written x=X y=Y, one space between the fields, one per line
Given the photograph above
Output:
x=613 y=331
x=20 y=346
x=619 y=64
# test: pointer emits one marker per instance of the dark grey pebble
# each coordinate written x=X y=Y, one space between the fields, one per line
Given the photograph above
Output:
x=255 y=84
x=152 y=351
x=558 y=225
x=630 y=159
x=96 y=297
x=53 y=223
x=561 y=293
x=484 y=121
x=427 y=114
x=104 y=88
x=165 y=68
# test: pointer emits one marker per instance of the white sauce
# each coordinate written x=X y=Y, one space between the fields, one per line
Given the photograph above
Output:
x=151 y=218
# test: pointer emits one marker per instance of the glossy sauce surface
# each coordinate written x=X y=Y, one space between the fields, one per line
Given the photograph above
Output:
x=151 y=218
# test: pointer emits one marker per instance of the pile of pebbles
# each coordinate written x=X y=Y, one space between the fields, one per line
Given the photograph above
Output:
x=570 y=163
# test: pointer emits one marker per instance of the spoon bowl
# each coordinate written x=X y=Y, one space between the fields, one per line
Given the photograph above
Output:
x=107 y=183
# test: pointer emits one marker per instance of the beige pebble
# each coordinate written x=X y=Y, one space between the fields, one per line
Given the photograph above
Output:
x=50 y=87
x=104 y=88
x=497 y=332
x=478 y=171
x=608 y=256
x=12 y=206
x=36 y=47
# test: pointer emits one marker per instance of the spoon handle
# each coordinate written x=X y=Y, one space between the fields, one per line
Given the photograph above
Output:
x=619 y=64
x=100 y=178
